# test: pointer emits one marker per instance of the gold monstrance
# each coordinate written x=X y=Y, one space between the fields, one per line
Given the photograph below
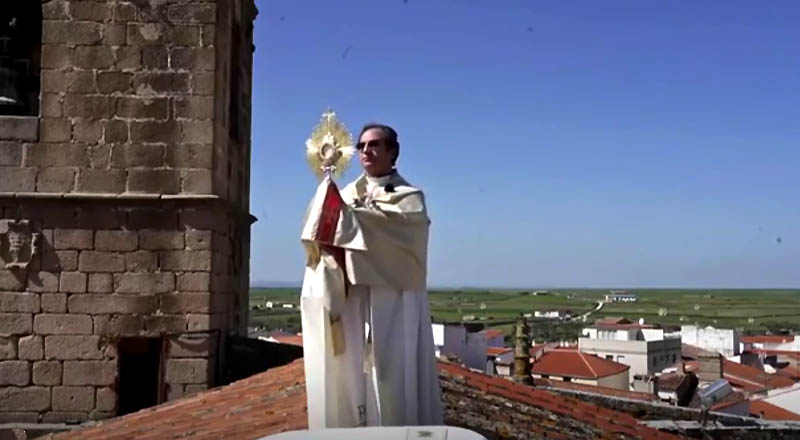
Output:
x=330 y=146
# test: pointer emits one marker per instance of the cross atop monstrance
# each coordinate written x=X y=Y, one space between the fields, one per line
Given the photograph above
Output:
x=330 y=146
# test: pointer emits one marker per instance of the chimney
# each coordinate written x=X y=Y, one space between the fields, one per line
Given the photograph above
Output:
x=522 y=356
x=710 y=368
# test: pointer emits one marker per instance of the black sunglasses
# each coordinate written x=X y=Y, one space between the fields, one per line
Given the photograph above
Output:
x=371 y=144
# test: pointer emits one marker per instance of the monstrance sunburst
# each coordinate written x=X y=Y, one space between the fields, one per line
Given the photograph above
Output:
x=330 y=147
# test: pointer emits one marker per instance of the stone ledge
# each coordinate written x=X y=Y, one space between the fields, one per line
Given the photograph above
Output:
x=19 y=128
x=107 y=196
x=129 y=200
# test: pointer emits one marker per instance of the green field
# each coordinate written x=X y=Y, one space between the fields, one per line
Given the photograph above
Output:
x=751 y=311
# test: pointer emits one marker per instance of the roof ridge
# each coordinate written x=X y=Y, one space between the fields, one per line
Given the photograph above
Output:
x=581 y=354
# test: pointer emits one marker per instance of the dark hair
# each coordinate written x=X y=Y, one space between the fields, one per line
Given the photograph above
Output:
x=389 y=136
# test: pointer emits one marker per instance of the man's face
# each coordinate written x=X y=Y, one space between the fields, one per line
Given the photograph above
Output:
x=376 y=157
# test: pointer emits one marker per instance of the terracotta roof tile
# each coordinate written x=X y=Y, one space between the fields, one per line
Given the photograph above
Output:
x=267 y=403
x=605 y=391
x=731 y=399
x=768 y=411
x=785 y=353
x=289 y=339
x=492 y=333
x=752 y=378
x=772 y=339
x=275 y=401
x=790 y=371
x=497 y=351
x=571 y=363
x=746 y=377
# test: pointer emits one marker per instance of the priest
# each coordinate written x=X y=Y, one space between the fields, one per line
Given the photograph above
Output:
x=367 y=340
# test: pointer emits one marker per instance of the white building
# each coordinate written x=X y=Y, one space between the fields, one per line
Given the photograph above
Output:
x=457 y=340
x=499 y=361
x=620 y=296
x=645 y=349
x=719 y=340
x=560 y=314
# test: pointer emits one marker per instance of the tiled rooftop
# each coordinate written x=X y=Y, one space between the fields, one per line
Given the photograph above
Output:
x=275 y=401
x=605 y=391
x=610 y=323
x=497 y=351
x=790 y=371
x=575 y=364
x=289 y=339
x=770 y=339
x=746 y=377
x=531 y=412
x=793 y=355
x=768 y=411
x=267 y=403
x=492 y=333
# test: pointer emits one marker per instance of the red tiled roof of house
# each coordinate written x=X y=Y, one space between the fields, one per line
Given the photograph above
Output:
x=613 y=320
x=572 y=363
x=752 y=378
x=609 y=423
x=785 y=353
x=263 y=404
x=497 y=351
x=746 y=377
x=618 y=324
x=770 y=339
x=768 y=411
x=731 y=399
x=790 y=371
x=289 y=339
x=275 y=401
x=492 y=333
x=605 y=391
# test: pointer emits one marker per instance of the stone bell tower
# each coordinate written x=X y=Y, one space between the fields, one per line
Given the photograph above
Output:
x=124 y=201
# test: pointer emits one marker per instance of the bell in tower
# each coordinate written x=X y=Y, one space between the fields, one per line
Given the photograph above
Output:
x=10 y=102
x=20 y=50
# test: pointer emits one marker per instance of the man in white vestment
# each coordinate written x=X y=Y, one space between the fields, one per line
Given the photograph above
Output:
x=367 y=340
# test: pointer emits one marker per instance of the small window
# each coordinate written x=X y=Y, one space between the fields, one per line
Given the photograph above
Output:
x=610 y=357
x=20 y=55
x=567 y=379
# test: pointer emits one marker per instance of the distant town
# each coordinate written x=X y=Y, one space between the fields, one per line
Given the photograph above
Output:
x=729 y=352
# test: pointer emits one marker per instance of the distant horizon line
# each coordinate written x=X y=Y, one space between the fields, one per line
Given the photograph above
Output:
x=298 y=284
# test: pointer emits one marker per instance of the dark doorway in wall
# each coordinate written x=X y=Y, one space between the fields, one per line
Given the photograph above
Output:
x=139 y=373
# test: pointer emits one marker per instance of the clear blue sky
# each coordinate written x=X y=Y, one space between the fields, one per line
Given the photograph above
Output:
x=559 y=143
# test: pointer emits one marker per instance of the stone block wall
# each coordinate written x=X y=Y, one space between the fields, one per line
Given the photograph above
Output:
x=103 y=272
x=127 y=102
x=133 y=189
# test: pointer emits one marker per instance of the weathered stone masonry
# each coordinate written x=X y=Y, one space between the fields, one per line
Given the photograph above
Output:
x=124 y=204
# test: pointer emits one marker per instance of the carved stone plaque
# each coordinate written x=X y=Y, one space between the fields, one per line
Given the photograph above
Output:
x=19 y=244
